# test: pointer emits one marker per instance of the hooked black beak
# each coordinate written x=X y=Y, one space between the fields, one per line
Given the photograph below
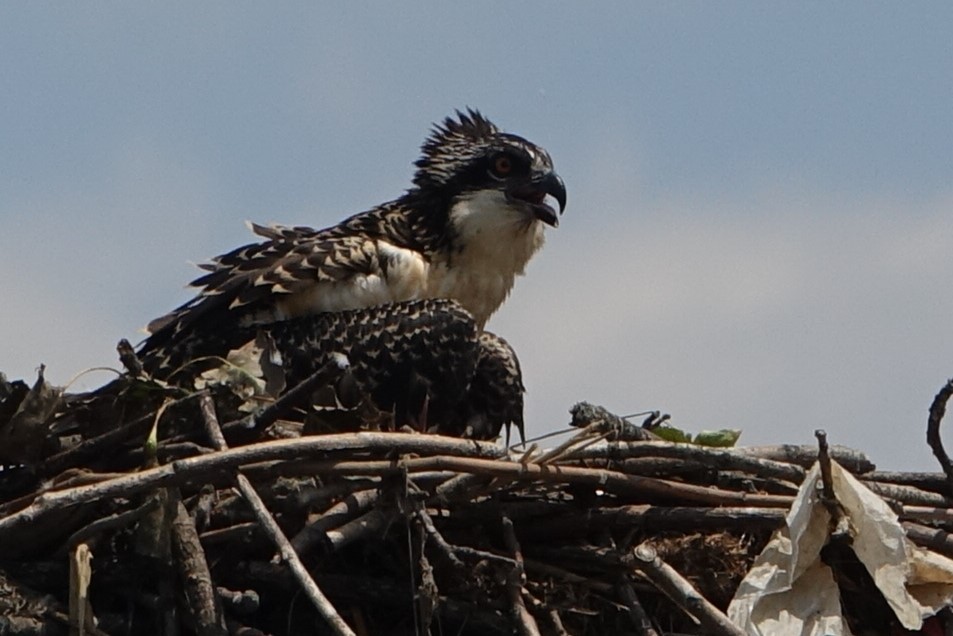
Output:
x=534 y=193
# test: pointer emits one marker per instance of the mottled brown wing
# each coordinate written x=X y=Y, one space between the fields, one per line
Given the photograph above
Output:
x=414 y=359
x=495 y=396
x=246 y=286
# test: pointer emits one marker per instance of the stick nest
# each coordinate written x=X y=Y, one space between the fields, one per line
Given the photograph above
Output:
x=172 y=513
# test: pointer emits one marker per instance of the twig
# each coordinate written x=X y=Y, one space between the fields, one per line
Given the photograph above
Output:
x=270 y=526
x=841 y=521
x=475 y=554
x=441 y=544
x=525 y=623
x=656 y=519
x=206 y=467
x=242 y=603
x=315 y=531
x=550 y=614
x=583 y=439
x=937 y=411
x=80 y=575
x=640 y=619
x=118 y=520
x=459 y=487
x=96 y=446
x=908 y=494
x=548 y=569
x=664 y=577
x=932 y=482
x=607 y=480
x=720 y=458
x=372 y=522
x=287 y=402
x=933 y=538
x=237 y=532
x=203 y=601
x=928 y=513
x=805 y=455
x=128 y=358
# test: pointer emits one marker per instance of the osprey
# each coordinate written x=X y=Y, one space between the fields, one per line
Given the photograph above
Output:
x=464 y=231
x=423 y=363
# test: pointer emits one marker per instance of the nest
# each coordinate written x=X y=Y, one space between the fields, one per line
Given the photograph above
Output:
x=185 y=515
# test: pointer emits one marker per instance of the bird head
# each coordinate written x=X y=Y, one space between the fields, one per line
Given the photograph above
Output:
x=469 y=155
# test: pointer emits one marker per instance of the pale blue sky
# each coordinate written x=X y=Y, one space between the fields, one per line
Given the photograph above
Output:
x=760 y=223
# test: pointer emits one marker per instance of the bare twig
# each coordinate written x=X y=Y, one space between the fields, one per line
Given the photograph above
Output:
x=525 y=623
x=548 y=569
x=441 y=544
x=718 y=458
x=645 y=559
x=371 y=523
x=288 y=401
x=841 y=522
x=549 y=614
x=576 y=443
x=585 y=415
x=203 y=600
x=96 y=446
x=640 y=619
x=610 y=481
x=932 y=482
x=80 y=575
x=928 y=513
x=311 y=589
x=209 y=467
x=805 y=455
x=937 y=411
x=909 y=495
x=127 y=355
x=927 y=537
x=315 y=531
x=478 y=555
x=657 y=519
x=118 y=520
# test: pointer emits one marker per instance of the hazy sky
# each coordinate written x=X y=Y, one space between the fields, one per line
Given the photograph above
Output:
x=760 y=223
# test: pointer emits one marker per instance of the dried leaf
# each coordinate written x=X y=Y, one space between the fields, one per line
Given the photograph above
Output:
x=23 y=436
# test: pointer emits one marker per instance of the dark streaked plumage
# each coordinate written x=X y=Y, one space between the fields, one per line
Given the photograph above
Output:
x=468 y=226
x=423 y=364
x=424 y=361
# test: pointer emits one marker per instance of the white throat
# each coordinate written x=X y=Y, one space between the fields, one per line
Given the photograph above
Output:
x=495 y=240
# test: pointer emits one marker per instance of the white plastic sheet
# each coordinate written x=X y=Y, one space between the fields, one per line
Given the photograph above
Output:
x=789 y=591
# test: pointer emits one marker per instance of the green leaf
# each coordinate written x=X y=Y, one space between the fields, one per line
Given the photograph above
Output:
x=671 y=434
x=724 y=438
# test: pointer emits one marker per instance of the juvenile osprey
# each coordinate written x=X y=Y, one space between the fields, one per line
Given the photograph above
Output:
x=465 y=229
x=423 y=362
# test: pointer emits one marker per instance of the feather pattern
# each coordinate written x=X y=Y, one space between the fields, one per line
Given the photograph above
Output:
x=464 y=231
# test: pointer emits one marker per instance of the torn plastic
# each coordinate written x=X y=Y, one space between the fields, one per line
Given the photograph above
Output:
x=791 y=591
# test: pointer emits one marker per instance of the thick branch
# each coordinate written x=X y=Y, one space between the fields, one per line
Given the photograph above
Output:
x=937 y=411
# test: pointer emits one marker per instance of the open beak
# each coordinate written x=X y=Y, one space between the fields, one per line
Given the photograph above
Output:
x=534 y=192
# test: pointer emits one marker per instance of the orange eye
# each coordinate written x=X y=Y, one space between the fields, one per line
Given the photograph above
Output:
x=502 y=165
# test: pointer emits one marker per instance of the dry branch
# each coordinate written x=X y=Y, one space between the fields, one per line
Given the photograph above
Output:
x=270 y=526
x=407 y=533
x=713 y=458
x=937 y=411
x=645 y=559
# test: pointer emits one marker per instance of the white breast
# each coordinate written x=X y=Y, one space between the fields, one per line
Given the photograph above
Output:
x=496 y=242
x=406 y=279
